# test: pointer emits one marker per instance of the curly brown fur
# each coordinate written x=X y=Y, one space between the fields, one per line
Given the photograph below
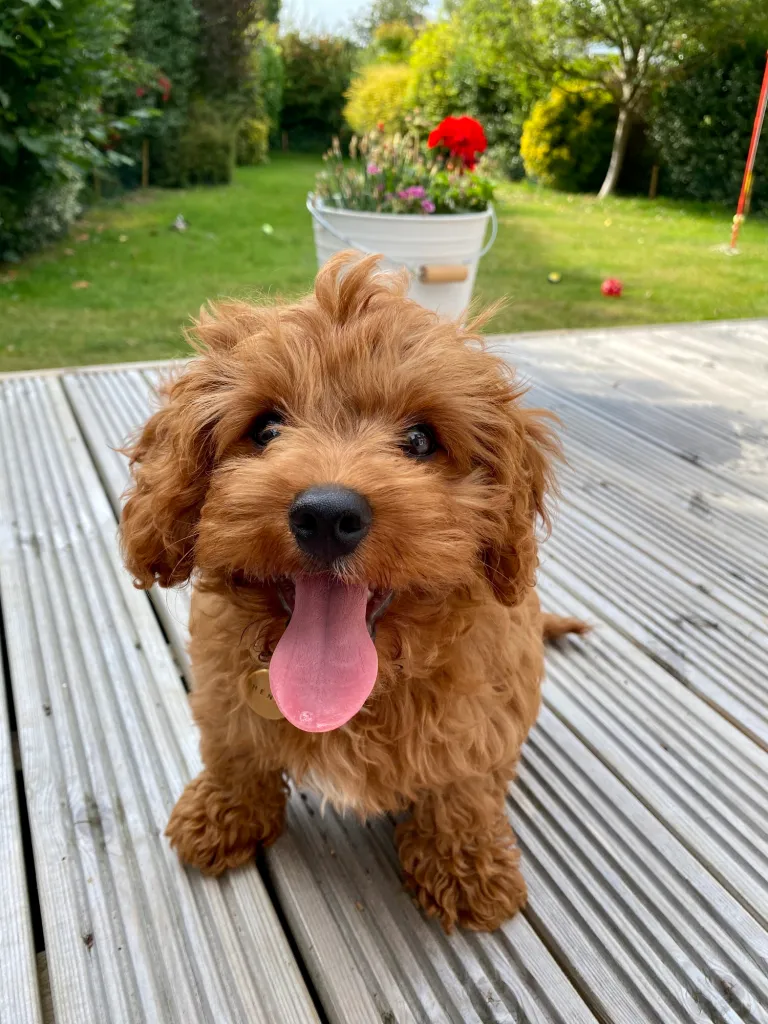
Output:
x=460 y=648
x=555 y=626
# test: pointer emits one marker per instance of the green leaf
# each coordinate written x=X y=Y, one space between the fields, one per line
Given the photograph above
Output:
x=37 y=145
x=6 y=41
x=30 y=33
x=5 y=99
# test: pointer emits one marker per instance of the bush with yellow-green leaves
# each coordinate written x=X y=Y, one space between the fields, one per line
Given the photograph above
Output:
x=379 y=97
x=567 y=140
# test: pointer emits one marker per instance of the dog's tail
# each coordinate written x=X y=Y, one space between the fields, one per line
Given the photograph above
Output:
x=554 y=626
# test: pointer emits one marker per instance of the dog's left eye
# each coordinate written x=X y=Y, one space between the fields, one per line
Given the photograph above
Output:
x=265 y=428
x=419 y=441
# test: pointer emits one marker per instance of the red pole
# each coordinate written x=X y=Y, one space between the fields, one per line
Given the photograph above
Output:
x=746 y=185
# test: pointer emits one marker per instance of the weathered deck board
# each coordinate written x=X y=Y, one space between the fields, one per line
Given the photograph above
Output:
x=107 y=743
x=642 y=804
x=626 y=378
x=19 y=992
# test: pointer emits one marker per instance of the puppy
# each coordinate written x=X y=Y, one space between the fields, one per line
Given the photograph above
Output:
x=355 y=487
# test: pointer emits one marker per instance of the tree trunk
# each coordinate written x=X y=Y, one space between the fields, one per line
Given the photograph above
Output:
x=620 y=140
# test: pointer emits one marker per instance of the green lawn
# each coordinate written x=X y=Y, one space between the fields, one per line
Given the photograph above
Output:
x=146 y=280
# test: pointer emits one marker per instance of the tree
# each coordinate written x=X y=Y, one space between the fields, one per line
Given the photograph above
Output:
x=625 y=46
x=317 y=73
x=385 y=12
x=164 y=34
x=224 y=71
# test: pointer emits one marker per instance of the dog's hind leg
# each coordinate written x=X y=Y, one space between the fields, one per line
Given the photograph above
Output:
x=554 y=626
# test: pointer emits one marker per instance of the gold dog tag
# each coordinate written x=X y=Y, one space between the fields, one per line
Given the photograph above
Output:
x=258 y=695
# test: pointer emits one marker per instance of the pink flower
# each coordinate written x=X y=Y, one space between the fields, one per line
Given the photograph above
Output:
x=373 y=169
x=417 y=192
x=428 y=206
x=404 y=193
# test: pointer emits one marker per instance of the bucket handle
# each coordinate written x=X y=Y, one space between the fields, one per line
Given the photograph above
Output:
x=315 y=213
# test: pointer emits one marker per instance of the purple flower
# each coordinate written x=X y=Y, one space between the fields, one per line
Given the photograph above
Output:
x=428 y=206
x=417 y=192
x=373 y=168
x=404 y=193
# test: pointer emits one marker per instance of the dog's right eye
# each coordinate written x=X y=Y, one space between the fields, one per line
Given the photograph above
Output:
x=265 y=428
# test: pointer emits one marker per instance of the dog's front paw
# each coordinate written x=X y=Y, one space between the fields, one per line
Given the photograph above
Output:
x=477 y=885
x=213 y=830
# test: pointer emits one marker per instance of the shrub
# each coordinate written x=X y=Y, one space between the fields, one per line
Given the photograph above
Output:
x=392 y=42
x=449 y=77
x=205 y=152
x=57 y=62
x=566 y=142
x=701 y=125
x=318 y=70
x=46 y=213
x=164 y=34
x=379 y=95
x=253 y=141
x=436 y=85
x=270 y=75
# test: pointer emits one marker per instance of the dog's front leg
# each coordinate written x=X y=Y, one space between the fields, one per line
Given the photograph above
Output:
x=224 y=814
x=459 y=855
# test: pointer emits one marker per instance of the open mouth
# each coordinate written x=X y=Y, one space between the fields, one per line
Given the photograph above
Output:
x=377 y=601
x=325 y=664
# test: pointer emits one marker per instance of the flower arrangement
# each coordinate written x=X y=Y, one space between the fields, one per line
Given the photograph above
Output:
x=402 y=174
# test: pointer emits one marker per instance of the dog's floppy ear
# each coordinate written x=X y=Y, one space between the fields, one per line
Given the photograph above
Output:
x=173 y=456
x=170 y=461
x=526 y=471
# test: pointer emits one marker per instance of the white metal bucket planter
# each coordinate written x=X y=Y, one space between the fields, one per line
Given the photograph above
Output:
x=440 y=251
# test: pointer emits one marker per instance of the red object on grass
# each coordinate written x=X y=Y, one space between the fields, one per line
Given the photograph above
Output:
x=463 y=137
x=612 y=287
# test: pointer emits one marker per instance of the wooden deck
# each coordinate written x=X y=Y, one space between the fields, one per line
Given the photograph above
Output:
x=642 y=803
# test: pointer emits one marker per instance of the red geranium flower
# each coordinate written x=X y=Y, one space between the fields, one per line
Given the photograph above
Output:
x=463 y=137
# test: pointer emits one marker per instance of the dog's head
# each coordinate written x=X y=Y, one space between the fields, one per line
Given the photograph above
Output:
x=335 y=453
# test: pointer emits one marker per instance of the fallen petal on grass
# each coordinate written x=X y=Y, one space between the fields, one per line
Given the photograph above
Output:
x=81 y=284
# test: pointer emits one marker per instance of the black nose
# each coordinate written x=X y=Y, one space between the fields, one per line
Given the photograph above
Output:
x=329 y=522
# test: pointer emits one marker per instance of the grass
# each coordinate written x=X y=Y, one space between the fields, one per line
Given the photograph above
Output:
x=145 y=280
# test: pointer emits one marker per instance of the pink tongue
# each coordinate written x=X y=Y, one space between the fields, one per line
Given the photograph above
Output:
x=325 y=664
